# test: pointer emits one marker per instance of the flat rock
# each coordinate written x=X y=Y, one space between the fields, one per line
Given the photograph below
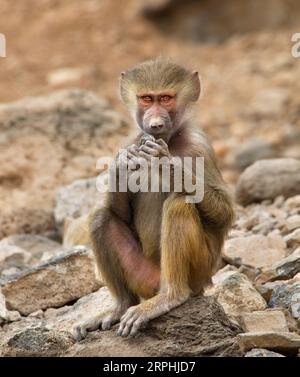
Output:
x=86 y=308
x=38 y=341
x=285 y=342
x=255 y=251
x=286 y=269
x=264 y=321
x=287 y=296
x=267 y=179
x=260 y=352
x=52 y=284
x=237 y=295
x=197 y=328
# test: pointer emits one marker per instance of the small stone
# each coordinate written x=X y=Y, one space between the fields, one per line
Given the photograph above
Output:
x=293 y=239
x=287 y=296
x=237 y=295
x=13 y=256
x=3 y=309
x=260 y=352
x=286 y=269
x=285 y=342
x=37 y=314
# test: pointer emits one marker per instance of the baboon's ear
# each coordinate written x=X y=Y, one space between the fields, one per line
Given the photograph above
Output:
x=196 y=86
x=123 y=74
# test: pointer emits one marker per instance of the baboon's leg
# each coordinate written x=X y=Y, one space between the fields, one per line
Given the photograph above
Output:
x=183 y=251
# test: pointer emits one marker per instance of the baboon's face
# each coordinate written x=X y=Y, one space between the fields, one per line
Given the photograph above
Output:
x=157 y=113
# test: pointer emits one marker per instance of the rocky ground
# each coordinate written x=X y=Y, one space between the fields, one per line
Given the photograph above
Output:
x=50 y=144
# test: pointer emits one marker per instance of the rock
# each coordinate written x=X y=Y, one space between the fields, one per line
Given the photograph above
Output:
x=293 y=203
x=77 y=199
x=85 y=309
x=251 y=151
x=293 y=222
x=260 y=352
x=25 y=220
x=197 y=328
x=13 y=256
x=267 y=289
x=63 y=76
x=287 y=268
x=264 y=321
x=33 y=244
x=255 y=251
x=76 y=232
x=37 y=341
x=293 y=239
x=283 y=342
x=268 y=103
x=237 y=295
x=3 y=309
x=53 y=284
x=267 y=179
x=287 y=296
x=66 y=130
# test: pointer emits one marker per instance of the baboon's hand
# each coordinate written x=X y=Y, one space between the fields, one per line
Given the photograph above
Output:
x=158 y=148
x=128 y=158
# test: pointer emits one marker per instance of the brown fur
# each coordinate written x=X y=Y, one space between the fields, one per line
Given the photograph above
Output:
x=155 y=244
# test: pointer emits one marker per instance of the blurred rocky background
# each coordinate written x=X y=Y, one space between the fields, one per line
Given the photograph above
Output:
x=60 y=111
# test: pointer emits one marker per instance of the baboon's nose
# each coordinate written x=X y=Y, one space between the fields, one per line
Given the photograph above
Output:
x=157 y=126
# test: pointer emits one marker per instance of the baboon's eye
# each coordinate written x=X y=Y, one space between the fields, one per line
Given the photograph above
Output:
x=165 y=98
x=146 y=99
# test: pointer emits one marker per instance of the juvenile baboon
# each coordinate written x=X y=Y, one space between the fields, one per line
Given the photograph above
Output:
x=155 y=245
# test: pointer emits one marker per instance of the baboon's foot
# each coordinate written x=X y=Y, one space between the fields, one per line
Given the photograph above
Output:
x=104 y=321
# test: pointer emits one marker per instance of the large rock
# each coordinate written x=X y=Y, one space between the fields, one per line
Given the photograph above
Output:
x=26 y=220
x=77 y=199
x=287 y=296
x=284 y=342
x=255 y=251
x=37 y=341
x=53 y=284
x=267 y=179
x=48 y=142
x=237 y=295
x=251 y=151
x=197 y=328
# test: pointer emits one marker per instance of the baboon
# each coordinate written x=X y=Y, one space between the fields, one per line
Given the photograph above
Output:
x=155 y=246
